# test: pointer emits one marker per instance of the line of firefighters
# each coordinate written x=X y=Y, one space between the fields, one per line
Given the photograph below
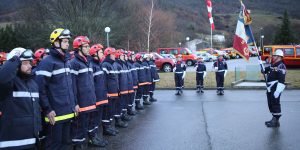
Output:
x=80 y=92
x=77 y=93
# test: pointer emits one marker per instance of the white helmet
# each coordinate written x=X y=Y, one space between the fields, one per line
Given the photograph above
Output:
x=278 y=52
x=145 y=56
x=24 y=54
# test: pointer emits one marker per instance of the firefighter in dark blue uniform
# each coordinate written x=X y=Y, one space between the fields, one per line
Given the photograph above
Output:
x=141 y=74
x=275 y=85
x=83 y=82
x=220 y=67
x=99 y=115
x=133 y=79
x=200 y=74
x=146 y=92
x=20 y=120
x=120 y=65
x=154 y=76
x=180 y=71
x=112 y=85
x=56 y=91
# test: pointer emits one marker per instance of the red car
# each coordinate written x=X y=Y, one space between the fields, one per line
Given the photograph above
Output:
x=164 y=64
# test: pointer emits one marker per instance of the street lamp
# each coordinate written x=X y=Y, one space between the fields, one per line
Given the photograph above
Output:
x=107 y=30
x=187 y=39
x=179 y=44
x=262 y=41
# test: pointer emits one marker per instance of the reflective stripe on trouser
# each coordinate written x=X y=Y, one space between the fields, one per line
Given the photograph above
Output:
x=61 y=118
x=140 y=92
x=112 y=106
x=130 y=99
x=80 y=127
x=178 y=81
x=106 y=115
x=121 y=103
x=274 y=103
x=17 y=143
x=199 y=83
x=220 y=80
x=58 y=136
x=95 y=120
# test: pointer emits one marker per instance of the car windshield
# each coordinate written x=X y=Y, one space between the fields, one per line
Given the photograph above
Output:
x=157 y=56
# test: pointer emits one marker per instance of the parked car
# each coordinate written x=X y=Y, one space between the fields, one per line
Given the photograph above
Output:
x=163 y=64
x=231 y=53
x=187 y=56
x=206 y=56
x=171 y=56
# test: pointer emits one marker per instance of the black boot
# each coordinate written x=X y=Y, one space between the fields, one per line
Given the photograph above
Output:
x=96 y=142
x=218 y=92
x=131 y=112
x=125 y=116
x=146 y=101
x=101 y=139
x=109 y=131
x=201 y=89
x=138 y=105
x=198 y=90
x=120 y=123
x=177 y=93
x=81 y=146
x=221 y=92
x=152 y=99
x=273 y=123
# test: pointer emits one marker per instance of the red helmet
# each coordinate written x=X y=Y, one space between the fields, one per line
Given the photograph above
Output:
x=79 y=41
x=129 y=53
x=39 y=53
x=119 y=52
x=95 y=48
x=138 y=56
x=109 y=51
x=2 y=56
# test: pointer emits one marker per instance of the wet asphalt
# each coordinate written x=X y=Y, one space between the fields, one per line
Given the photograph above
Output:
x=207 y=121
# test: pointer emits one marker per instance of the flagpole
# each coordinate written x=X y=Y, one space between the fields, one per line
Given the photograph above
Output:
x=211 y=46
x=258 y=56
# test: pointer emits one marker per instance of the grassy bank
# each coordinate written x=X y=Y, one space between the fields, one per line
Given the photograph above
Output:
x=167 y=79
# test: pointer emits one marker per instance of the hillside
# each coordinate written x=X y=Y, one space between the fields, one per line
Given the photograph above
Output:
x=190 y=17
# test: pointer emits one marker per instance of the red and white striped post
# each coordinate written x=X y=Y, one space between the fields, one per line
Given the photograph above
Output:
x=211 y=20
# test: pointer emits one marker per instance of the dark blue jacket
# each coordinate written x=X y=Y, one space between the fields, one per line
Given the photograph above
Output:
x=134 y=73
x=111 y=75
x=180 y=67
x=129 y=77
x=153 y=69
x=20 y=119
x=55 y=86
x=122 y=76
x=276 y=73
x=201 y=68
x=148 y=72
x=222 y=66
x=141 y=72
x=83 y=81
x=100 y=83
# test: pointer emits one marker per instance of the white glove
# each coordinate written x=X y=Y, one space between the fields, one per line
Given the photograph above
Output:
x=204 y=74
x=174 y=69
x=216 y=69
x=225 y=73
x=276 y=94
x=183 y=75
x=280 y=87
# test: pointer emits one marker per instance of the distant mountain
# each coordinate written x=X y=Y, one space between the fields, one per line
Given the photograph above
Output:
x=191 y=15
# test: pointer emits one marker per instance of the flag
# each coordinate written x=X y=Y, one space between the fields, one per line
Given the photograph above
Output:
x=243 y=34
x=209 y=9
